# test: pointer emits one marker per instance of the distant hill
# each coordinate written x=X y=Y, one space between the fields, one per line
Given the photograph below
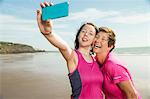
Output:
x=9 y=47
x=133 y=50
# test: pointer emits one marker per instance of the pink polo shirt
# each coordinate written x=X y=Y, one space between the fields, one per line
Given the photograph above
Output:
x=114 y=72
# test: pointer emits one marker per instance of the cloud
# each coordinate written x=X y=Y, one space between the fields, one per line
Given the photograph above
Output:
x=26 y=31
x=10 y=19
x=91 y=14
x=13 y=23
x=130 y=19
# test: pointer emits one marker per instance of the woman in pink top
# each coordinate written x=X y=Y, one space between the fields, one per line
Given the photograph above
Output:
x=84 y=73
x=118 y=83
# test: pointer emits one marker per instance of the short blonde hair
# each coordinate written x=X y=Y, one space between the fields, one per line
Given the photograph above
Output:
x=111 y=37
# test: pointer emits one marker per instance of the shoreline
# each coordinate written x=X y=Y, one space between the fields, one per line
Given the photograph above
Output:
x=16 y=48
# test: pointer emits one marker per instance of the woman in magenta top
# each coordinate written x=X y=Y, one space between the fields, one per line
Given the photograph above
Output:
x=86 y=80
x=84 y=73
x=118 y=83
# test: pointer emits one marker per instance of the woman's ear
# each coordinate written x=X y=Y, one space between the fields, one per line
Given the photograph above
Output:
x=111 y=47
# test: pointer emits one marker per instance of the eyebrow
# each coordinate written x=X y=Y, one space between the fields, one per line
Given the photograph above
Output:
x=86 y=30
x=91 y=31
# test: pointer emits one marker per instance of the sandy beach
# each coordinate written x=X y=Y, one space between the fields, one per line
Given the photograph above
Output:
x=42 y=76
x=26 y=85
x=24 y=77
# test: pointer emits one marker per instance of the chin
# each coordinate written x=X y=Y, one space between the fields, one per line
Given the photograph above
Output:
x=86 y=44
x=95 y=50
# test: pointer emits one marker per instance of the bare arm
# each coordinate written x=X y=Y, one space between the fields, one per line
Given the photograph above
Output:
x=61 y=45
x=46 y=29
x=128 y=88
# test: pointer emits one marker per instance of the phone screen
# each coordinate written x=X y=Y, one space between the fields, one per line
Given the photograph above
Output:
x=55 y=11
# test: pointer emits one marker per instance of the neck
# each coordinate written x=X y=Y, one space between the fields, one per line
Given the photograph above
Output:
x=84 y=51
x=101 y=57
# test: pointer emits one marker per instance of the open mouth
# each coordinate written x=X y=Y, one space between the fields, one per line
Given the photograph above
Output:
x=84 y=39
x=97 y=46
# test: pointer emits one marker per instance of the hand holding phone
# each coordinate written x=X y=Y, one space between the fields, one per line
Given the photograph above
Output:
x=55 y=11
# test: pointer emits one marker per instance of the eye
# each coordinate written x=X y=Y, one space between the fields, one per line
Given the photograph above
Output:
x=83 y=31
x=104 y=39
x=97 y=36
x=91 y=33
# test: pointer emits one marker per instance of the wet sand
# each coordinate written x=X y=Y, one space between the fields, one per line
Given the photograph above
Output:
x=41 y=76
x=27 y=85
x=34 y=76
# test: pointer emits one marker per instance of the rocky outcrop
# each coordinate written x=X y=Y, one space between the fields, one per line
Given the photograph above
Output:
x=8 y=47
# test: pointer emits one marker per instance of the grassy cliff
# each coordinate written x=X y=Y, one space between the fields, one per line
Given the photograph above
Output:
x=9 y=47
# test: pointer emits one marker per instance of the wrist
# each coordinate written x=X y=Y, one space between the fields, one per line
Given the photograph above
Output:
x=46 y=33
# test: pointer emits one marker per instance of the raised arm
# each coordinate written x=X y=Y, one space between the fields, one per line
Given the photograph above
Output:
x=46 y=29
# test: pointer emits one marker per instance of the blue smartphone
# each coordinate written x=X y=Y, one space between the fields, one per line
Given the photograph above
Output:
x=55 y=11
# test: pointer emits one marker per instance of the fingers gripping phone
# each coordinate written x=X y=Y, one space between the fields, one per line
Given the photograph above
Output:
x=55 y=11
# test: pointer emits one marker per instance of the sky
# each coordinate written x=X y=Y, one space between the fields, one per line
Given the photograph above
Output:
x=130 y=19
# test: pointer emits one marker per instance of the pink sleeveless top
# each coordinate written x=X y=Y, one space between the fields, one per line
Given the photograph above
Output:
x=86 y=81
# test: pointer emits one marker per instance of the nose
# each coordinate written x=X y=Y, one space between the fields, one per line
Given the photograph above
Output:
x=86 y=34
x=96 y=40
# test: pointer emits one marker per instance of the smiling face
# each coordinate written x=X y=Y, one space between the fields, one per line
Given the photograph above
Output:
x=104 y=41
x=86 y=36
x=101 y=43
